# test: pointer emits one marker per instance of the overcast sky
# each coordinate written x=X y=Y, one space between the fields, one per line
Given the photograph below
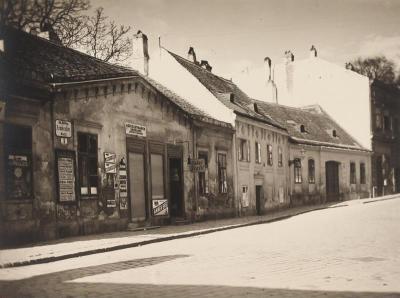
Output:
x=235 y=35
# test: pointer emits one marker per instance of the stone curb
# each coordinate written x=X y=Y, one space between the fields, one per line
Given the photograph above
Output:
x=161 y=239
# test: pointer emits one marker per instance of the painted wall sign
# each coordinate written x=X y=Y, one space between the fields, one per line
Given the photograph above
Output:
x=135 y=129
x=197 y=165
x=63 y=129
x=110 y=160
x=66 y=176
x=160 y=207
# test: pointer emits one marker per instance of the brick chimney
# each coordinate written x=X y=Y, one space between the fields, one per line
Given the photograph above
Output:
x=140 y=57
x=272 y=90
x=313 y=52
x=192 y=55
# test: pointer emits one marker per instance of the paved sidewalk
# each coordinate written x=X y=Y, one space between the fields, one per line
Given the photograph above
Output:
x=92 y=244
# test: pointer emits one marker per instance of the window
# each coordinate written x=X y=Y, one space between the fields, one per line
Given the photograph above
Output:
x=203 y=176
x=258 y=152
x=302 y=128
x=352 y=173
x=269 y=155
x=311 y=171
x=18 y=153
x=87 y=164
x=386 y=123
x=245 y=196
x=157 y=176
x=297 y=171
x=378 y=120
x=280 y=157
x=362 y=173
x=222 y=179
x=244 y=150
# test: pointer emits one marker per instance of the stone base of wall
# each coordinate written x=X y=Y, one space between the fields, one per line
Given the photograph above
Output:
x=30 y=231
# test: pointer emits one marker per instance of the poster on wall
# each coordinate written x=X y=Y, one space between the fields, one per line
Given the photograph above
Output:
x=160 y=207
x=19 y=176
x=66 y=176
x=123 y=185
x=110 y=165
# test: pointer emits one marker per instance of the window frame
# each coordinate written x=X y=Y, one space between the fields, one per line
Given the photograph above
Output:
x=203 y=176
x=88 y=155
x=353 y=175
x=311 y=171
x=222 y=188
x=363 y=176
x=244 y=150
x=297 y=171
x=280 y=157
x=270 y=157
x=258 y=152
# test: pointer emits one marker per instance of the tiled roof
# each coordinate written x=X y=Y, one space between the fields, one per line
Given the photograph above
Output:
x=317 y=123
x=37 y=59
x=222 y=89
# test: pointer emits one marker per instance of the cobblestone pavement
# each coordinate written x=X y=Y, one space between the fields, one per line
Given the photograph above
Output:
x=339 y=252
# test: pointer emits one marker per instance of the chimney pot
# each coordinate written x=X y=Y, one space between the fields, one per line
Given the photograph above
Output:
x=141 y=53
x=267 y=64
x=192 y=55
x=313 y=52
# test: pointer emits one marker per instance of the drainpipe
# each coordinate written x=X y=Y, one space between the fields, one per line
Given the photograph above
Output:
x=196 y=199
x=236 y=188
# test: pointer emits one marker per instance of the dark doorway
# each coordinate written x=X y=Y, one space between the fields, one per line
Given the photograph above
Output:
x=258 y=199
x=332 y=180
x=175 y=187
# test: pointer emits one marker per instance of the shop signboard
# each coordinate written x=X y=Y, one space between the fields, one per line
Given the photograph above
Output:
x=63 y=129
x=110 y=160
x=135 y=129
x=160 y=207
x=197 y=165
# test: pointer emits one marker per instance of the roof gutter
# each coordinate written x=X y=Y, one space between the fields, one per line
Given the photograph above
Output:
x=55 y=85
x=318 y=143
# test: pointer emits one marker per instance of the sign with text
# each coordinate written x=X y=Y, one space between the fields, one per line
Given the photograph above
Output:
x=135 y=129
x=110 y=160
x=197 y=165
x=160 y=207
x=63 y=129
x=66 y=176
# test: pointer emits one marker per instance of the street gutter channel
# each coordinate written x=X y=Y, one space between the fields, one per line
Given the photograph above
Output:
x=161 y=239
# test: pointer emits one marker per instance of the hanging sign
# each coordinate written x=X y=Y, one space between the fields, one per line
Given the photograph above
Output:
x=135 y=129
x=110 y=160
x=63 y=129
x=66 y=176
x=160 y=207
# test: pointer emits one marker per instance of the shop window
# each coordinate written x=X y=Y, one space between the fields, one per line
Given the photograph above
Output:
x=87 y=164
x=222 y=175
x=244 y=150
x=311 y=171
x=203 y=176
x=269 y=155
x=157 y=177
x=352 y=173
x=297 y=171
x=18 y=153
x=362 y=173
x=280 y=157
x=258 y=152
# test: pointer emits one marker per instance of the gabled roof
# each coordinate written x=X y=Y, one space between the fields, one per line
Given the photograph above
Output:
x=318 y=125
x=37 y=59
x=225 y=91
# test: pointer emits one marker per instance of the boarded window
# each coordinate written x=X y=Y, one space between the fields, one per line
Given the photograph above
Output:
x=352 y=173
x=362 y=173
x=18 y=153
x=269 y=155
x=297 y=171
x=222 y=175
x=157 y=177
x=258 y=152
x=311 y=171
x=203 y=176
x=87 y=164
